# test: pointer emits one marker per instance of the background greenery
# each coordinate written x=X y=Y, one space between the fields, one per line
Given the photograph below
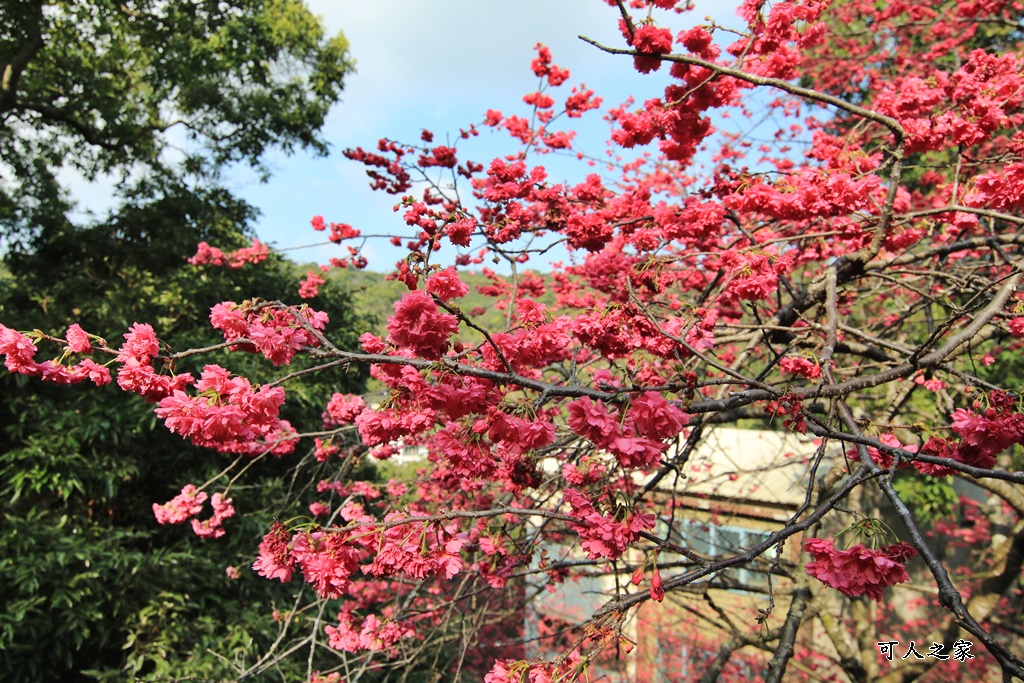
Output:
x=159 y=96
x=91 y=582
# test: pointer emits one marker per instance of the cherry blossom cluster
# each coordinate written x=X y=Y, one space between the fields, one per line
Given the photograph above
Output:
x=137 y=374
x=20 y=352
x=189 y=503
x=603 y=535
x=642 y=437
x=372 y=634
x=514 y=671
x=276 y=333
x=212 y=256
x=858 y=570
x=229 y=415
x=342 y=409
x=994 y=424
x=328 y=560
x=339 y=231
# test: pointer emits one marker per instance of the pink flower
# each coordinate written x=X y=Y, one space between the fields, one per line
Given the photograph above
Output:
x=49 y=371
x=753 y=277
x=333 y=677
x=213 y=527
x=635 y=451
x=142 y=379
x=342 y=409
x=78 y=339
x=515 y=434
x=603 y=536
x=654 y=417
x=500 y=672
x=207 y=255
x=229 y=318
x=228 y=415
x=277 y=334
x=276 y=560
x=366 y=490
x=140 y=344
x=374 y=634
x=310 y=287
x=20 y=352
x=323 y=451
x=638 y=576
x=371 y=343
x=207 y=529
x=446 y=285
x=883 y=460
x=327 y=562
x=939 y=448
x=181 y=507
x=212 y=256
x=461 y=231
x=657 y=592
x=418 y=325
x=987 y=434
x=651 y=41
x=381 y=427
x=98 y=374
x=698 y=41
x=858 y=570
x=591 y=420
x=801 y=367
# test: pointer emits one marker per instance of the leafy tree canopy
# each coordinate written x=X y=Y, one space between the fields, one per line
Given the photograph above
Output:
x=161 y=95
x=127 y=88
x=93 y=585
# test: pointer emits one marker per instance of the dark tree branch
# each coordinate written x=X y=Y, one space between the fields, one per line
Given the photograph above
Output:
x=787 y=636
x=20 y=60
x=949 y=597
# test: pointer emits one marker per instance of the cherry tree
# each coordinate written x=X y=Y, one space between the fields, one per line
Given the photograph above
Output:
x=847 y=269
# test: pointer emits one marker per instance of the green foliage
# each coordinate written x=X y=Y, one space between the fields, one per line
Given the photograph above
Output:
x=931 y=498
x=159 y=95
x=90 y=579
x=109 y=87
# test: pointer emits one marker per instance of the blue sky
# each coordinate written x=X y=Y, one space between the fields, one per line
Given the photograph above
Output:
x=440 y=64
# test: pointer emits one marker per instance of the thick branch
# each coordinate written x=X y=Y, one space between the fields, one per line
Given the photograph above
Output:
x=949 y=597
x=90 y=135
x=787 y=636
x=714 y=670
x=929 y=360
x=20 y=60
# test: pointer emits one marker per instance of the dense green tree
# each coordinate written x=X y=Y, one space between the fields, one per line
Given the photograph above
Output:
x=145 y=88
x=161 y=96
x=91 y=582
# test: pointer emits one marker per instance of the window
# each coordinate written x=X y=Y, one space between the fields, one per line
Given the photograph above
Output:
x=715 y=541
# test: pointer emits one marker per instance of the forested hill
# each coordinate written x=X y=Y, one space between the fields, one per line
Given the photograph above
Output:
x=374 y=295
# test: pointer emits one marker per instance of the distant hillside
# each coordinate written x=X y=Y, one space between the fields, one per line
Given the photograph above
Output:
x=374 y=296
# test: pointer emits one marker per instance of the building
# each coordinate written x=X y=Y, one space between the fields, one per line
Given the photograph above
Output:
x=736 y=488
